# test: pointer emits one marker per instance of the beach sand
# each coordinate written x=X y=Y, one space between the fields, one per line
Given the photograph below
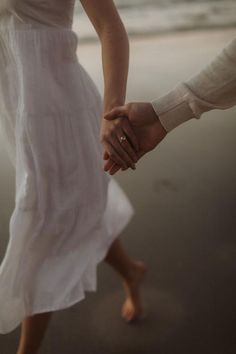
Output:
x=184 y=194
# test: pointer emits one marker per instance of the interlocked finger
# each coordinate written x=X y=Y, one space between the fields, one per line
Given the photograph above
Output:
x=128 y=131
x=118 y=145
x=126 y=145
x=108 y=165
x=115 y=168
x=114 y=154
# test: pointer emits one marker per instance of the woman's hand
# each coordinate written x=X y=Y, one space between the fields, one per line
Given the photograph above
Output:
x=117 y=137
x=119 y=142
x=145 y=125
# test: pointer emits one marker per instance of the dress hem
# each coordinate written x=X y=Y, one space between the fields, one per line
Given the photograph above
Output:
x=89 y=288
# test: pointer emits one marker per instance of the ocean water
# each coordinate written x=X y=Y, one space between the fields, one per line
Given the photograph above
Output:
x=144 y=17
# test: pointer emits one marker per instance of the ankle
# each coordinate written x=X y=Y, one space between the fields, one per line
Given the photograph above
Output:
x=129 y=276
x=131 y=272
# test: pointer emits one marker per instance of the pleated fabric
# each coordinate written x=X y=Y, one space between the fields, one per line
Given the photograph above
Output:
x=67 y=210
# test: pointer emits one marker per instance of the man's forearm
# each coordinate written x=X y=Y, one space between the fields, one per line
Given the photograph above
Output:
x=212 y=88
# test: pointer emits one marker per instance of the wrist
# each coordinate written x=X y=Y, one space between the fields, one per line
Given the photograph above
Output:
x=155 y=117
x=112 y=103
x=173 y=108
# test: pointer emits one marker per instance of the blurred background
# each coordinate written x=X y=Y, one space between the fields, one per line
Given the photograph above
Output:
x=184 y=195
x=160 y=16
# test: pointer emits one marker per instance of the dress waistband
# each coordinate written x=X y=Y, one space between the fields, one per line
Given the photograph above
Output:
x=40 y=32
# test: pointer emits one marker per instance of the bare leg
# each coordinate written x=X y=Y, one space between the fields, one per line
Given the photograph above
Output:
x=132 y=273
x=32 y=333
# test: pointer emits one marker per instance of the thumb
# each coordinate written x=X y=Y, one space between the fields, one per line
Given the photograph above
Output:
x=116 y=112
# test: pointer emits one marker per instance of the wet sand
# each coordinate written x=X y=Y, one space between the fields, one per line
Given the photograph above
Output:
x=184 y=194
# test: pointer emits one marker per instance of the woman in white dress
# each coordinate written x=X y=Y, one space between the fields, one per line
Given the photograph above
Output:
x=68 y=213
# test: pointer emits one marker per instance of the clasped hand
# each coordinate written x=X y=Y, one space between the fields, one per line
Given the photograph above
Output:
x=127 y=133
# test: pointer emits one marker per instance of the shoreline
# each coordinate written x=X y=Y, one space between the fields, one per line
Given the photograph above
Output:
x=159 y=34
x=171 y=57
x=152 y=17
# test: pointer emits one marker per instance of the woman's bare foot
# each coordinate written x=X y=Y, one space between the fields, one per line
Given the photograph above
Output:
x=132 y=308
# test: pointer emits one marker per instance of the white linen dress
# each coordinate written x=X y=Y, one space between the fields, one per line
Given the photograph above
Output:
x=67 y=210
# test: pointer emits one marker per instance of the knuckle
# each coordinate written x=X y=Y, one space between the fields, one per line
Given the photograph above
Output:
x=129 y=106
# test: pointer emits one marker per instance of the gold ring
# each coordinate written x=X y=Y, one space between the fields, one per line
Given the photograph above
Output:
x=122 y=139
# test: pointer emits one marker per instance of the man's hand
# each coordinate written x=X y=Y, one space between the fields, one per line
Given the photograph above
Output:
x=146 y=126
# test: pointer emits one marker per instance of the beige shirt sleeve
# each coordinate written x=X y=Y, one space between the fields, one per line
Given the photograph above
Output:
x=212 y=88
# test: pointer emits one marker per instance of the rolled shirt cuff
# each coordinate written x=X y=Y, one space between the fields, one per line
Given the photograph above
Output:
x=173 y=108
